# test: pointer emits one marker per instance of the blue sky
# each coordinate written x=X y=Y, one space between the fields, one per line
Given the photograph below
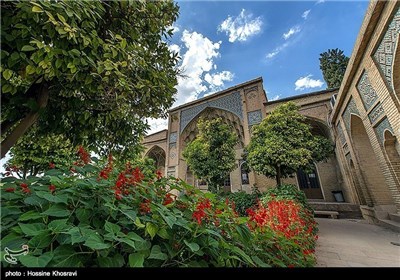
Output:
x=224 y=43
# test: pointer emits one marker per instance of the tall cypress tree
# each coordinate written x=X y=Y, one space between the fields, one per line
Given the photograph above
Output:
x=333 y=64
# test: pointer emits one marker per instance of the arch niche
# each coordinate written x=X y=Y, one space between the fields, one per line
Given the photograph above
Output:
x=392 y=150
x=158 y=155
x=191 y=131
x=370 y=171
x=396 y=69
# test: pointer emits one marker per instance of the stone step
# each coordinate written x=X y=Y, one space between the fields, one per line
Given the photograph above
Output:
x=346 y=210
x=332 y=214
x=394 y=217
x=395 y=226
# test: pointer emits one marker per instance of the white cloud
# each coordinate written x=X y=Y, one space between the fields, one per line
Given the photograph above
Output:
x=277 y=50
x=305 y=14
x=291 y=32
x=320 y=1
x=306 y=82
x=241 y=27
x=276 y=97
x=156 y=125
x=199 y=73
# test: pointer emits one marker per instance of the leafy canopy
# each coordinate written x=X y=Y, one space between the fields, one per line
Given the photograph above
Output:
x=211 y=156
x=283 y=143
x=333 y=64
x=92 y=69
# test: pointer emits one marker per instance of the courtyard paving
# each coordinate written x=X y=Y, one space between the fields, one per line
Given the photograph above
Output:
x=355 y=243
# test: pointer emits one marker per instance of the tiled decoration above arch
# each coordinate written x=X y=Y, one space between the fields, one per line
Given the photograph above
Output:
x=384 y=55
x=367 y=93
x=231 y=103
x=376 y=113
x=173 y=137
x=254 y=117
x=340 y=133
x=380 y=129
x=351 y=108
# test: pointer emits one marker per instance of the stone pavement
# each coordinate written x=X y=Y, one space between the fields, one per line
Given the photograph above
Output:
x=355 y=243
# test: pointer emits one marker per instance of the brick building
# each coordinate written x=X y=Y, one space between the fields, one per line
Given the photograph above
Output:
x=362 y=119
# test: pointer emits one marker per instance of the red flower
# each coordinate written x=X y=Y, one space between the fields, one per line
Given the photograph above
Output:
x=199 y=214
x=169 y=198
x=159 y=174
x=10 y=189
x=118 y=194
x=52 y=188
x=144 y=207
x=107 y=169
x=23 y=185
x=52 y=165
x=26 y=190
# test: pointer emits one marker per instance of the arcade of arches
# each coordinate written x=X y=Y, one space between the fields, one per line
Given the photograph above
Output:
x=362 y=119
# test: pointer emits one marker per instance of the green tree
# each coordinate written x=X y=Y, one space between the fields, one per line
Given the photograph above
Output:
x=91 y=70
x=333 y=64
x=34 y=153
x=283 y=143
x=211 y=156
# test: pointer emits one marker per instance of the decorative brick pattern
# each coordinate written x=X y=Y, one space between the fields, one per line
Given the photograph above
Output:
x=376 y=113
x=340 y=133
x=367 y=93
x=385 y=53
x=231 y=103
x=350 y=109
x=254 y=117
x=173 y=136
x=246 y=90
x=380 y=129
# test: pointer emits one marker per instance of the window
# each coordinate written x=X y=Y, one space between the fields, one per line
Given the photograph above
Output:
x=244 y=174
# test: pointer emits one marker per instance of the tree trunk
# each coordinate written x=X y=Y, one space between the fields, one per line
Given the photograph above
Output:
x=278 y=176
x=25 y=123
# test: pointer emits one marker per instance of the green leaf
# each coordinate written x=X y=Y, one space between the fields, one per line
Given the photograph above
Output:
x=115 y=261
x=163 y=233
x=259 y=262
x=27 y=48
x=193 y=246
x=57 y=226
x=157 y=254
x=59 y=198
x=127 y=241
x=7 y=73
x=112 y=228
x=134 y=236
x=95 y=242
x=30 y=69
x=30 y=215
x=58 y=63
x=138 y=223
x=65 y=256
x=57 y=210
x=151 y=229
x=242 y=254
x=32 y=261
x=37 y=9
x=35 y=201
x=131 y=214
x=41 y=240
x=170 y=220
x=83 y=214
x=60 y=17
x=32 y=229
x=136 y=260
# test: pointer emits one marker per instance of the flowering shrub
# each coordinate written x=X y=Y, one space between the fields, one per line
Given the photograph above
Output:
x=290 y=220
x=94 y=214
x=244 y=201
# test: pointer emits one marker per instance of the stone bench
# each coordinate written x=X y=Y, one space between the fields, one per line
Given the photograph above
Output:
x=333 y=214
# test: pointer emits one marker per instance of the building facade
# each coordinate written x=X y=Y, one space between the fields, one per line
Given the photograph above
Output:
x=361 y=118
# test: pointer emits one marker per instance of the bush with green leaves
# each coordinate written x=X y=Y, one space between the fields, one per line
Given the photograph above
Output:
x=244 y=201
x=286 y=191
x=92 y=214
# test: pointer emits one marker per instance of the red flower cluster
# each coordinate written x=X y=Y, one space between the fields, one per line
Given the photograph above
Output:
x=11 y=169
x=25 y=188
x=52 y=165
x=159 y=174
x=280 y=215
x=107 y=170
x=144 y=207
x=52 y=188
x=84 y=157
x=168 y=199
x=10 y=189
x=199 y=214
x=127 y=179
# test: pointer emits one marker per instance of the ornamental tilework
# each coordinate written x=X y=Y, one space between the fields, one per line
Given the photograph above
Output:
x=385 y=52
x=380 y=129
x=340 y=133
x=367 y=93
x=173 y=136
x=254 y=117
x=231 y=103
x=376 y=113
x=350 y=109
